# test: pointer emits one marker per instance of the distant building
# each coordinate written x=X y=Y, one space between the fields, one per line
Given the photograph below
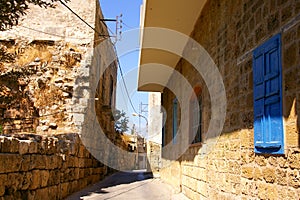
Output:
x=154 y=140
x=137 y=144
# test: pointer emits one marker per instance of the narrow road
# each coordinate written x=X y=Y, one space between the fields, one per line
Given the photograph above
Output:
x=128 y=186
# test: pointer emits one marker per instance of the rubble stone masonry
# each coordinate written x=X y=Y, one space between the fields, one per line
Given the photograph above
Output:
x=229 y=31
x=48 y=77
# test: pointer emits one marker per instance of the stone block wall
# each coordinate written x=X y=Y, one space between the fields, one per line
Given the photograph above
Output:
x=46 y=61
x=229 y=31
x=37 y=85
x=50 y=85
x=49 y=73
x=154 y=156
x=45 y=167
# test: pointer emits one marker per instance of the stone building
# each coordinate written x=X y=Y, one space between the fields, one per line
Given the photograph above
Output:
x=154 y=139
x=137 y=144
x=55 y=82
x=45 y=67
x=244 y=56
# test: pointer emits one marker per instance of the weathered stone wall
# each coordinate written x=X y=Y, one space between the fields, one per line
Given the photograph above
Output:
x=37 y=86
x=154 y=157
x=155 y=116
x=50 y=77
x=48 y=73
x=229 y=31
x=45 y=167
x=47 y=64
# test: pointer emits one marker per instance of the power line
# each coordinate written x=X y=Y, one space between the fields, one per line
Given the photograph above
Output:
x=103 y=22
x=81 y=18
x=118 y=62
x=122 y=92
x=130 y=27
x=52 y=34
x=110 y=30
x=124 y=83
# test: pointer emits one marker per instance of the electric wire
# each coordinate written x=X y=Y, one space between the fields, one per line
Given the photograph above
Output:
x=109 y=29
x=103 y=22
x=52 y=34
x=130 y=27
x=118 y=61
x=80 y=18
x=124 y=83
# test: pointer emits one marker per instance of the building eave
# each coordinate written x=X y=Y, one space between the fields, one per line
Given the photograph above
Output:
x=176 y=15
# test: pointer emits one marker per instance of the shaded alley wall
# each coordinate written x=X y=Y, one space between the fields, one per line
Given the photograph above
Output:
x=229 y=31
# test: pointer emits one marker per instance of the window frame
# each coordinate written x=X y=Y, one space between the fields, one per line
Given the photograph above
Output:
x=174 y=120
x=197 y=139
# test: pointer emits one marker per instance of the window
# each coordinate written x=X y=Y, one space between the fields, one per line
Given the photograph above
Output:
x=174 y=120
x=196 y=117
x=267 y=91
x=111 y=91
x=163 y=136
x=103 y=90
x=163 y=140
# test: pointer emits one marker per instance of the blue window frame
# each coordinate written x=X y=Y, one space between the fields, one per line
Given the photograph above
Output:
x=174 y=120
x=267 y=91
x=196 y=117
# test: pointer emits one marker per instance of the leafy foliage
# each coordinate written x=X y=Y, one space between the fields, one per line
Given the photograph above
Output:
x=12 y=10
x=121 y=121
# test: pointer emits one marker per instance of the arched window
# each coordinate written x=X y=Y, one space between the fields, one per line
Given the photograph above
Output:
x=196 y=117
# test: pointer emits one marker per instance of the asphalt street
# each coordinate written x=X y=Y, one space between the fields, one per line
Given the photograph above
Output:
x=136 y=185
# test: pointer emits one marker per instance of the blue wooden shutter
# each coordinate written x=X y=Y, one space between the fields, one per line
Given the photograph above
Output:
x=175 y=116
x=268 y=124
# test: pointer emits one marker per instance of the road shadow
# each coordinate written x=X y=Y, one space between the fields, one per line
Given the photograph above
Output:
x=115 y=179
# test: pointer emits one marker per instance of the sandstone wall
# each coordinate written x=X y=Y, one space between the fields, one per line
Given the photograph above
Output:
x=154 y=157
x=229 y=31
x=46 y=67
x=53 y=82
x=38 y=86
x=41 y=167
x=49 y=73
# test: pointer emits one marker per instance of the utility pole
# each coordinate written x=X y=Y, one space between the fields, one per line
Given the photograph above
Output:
x=143 y=108
x=143 y=111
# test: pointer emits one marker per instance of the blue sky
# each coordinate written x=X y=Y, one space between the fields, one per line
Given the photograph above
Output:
x=130 y=10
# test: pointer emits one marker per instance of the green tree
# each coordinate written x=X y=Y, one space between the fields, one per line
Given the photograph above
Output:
x=121 y=121
x=12 y=10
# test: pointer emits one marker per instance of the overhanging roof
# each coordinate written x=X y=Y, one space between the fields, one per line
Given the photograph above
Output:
x=177 y=15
